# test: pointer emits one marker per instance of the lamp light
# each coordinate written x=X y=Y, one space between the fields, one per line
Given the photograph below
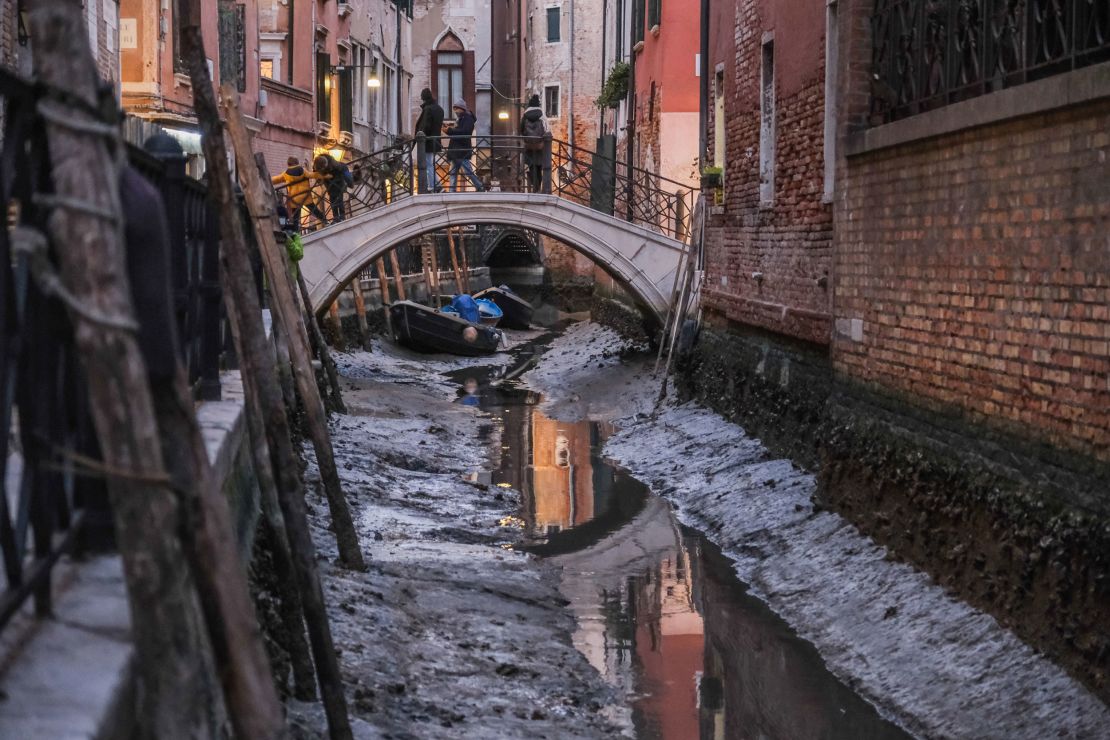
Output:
x=374 y=82
x=503 y=115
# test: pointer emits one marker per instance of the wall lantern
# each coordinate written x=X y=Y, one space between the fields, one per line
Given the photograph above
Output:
x=22 y=33
x=503 y=115
x=373 y=82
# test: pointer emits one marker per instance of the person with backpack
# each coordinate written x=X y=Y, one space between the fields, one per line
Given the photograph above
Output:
x=298 y=191
x=430 y=123
x=338 y=180
x=533 y=128
x=460 y=148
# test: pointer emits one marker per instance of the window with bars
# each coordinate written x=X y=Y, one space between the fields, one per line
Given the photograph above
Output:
x=638 y=9
x=655 y=13
x=551 y=95
x=554 y=25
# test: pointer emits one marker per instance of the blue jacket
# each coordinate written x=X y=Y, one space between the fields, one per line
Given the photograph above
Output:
x=461 y=146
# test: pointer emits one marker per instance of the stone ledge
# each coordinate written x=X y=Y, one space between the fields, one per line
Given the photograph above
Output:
x=1084 y=85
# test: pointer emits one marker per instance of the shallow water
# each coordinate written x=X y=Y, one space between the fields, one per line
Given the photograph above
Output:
x=660 y=612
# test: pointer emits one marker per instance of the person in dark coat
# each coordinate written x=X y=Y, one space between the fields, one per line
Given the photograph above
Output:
x=337 y=180
x=459 y=149
x=430 y=123
x=533 y=129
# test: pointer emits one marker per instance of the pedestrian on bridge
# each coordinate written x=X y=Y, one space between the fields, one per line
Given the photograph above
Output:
x=298 y=190
x=338 y=179
x=533 y=129
x=460 y=148
x=430 y=123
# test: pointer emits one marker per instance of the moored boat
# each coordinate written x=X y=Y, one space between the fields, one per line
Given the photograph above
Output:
x=428 y=330
x=489 y=313
x=517 y=311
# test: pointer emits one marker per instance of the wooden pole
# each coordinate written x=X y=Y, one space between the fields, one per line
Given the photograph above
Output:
x=433 y=251
x=336 y=325
x=321 y=347
x=260 y=382
x=360 y=313
x=465 y=265
x=383 y=285
x=426 y=263
x=459 y=285
x=398 y=278
x=86 y=223
x=261 y=206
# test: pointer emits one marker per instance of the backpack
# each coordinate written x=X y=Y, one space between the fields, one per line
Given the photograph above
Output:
x=534 y=131
x=347 y=178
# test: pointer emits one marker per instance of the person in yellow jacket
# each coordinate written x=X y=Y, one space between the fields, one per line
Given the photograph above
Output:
x=298 y=190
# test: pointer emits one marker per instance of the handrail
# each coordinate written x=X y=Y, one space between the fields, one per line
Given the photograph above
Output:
x=501 y=163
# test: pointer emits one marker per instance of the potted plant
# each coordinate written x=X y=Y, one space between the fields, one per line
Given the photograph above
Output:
x=615 y=88
x=712 y=178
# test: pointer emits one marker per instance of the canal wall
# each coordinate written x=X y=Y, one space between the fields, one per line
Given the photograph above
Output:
x=1009 y=523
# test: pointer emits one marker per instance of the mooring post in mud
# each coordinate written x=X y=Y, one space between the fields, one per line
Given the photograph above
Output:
x=331 y=373
x=260 y=203
x=459 y=286
x=433 y=250
x=426 y=264
x=383 y=286
x=336 y=325
x=398 y=279
x=360 y=312
x=465 y=265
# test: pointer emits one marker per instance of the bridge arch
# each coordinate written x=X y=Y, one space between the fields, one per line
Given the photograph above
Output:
x=643 y=261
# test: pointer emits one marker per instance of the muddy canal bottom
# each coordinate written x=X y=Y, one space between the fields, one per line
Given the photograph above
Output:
x=660 y=613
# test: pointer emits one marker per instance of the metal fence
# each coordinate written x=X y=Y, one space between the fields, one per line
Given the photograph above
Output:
x=501 y=163
x=52 y=501
x=930 y=53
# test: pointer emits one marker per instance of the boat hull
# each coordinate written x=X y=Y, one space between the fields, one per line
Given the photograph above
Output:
x=517 y=312
x=427 y=330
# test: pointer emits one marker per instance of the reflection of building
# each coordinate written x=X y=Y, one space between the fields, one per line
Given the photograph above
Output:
x=562 y=487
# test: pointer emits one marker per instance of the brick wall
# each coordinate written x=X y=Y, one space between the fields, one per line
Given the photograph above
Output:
x=976 y=270
x=787 y=244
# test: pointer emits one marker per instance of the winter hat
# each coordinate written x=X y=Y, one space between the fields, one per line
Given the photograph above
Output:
x=426 y=95
x=460 y=103
x=534 y=101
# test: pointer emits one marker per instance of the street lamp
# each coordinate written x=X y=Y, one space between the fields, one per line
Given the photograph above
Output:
x=373 y=82
x=503 y=115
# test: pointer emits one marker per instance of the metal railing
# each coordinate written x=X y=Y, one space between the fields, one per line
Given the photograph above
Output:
x=499 y=163
x=52 y=501
x=930 y=53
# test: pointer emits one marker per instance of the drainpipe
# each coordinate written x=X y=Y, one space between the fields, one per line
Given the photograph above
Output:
x=570 y=97
x=703 y=87
x=400 y=68
x=290 y=31
x=604 y=62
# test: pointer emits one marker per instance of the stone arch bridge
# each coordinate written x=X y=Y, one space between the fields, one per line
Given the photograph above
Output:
x=631 y=222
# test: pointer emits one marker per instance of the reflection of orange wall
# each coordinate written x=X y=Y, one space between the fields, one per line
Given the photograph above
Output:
x=552 y=482
x=670 y=646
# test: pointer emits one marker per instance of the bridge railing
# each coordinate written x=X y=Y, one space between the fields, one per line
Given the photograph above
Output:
x=498 y=163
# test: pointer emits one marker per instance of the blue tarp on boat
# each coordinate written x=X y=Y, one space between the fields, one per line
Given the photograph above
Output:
x=466 y=307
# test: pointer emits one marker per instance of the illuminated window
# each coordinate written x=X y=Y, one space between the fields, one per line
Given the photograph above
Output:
x=266 y=68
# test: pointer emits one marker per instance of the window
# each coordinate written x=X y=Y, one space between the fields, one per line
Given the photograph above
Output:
x=832 y=56
x=233 y=44
x=620 y=30
x=767 y=126
x=554 y=25
x=655 y=13
x=449 y=78
x=363 y=68
x=637 y=21
x=323 y=86
x=266 y=67
x=719 y=117
x=177 y=19
x=551 y=101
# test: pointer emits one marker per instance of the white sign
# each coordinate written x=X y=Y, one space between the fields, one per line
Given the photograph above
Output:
x=128 y=33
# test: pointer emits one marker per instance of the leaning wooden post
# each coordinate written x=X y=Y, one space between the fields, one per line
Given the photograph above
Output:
x=86 y=222
x=459 y=286
x=260 y=382
x=360 y=312
x=433 y=250
x=383 y=285
x=426 y=263
x=261 y=206
x=465 y=264
x=337 y=325
x=398 y=278
x=317 y=337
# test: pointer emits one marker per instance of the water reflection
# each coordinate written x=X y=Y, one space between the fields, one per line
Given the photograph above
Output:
x=660 y=613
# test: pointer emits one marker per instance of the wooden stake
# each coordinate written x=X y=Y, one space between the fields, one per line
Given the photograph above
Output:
x=465 y=265
x=260 y=382
x=459 y=286
x=360 y=313
x=337 y=325
x=321 y=347
x=433 y=251
x=398 y=279
x=426 y=263
x=261 y=206
x=383 y=284
x=151 y=520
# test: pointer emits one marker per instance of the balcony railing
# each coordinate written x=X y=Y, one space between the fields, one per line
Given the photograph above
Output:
x=930 y=53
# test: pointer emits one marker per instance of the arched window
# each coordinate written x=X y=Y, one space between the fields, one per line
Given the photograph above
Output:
x=452 y=73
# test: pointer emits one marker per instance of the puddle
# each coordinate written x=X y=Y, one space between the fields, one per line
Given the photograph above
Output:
x=660 y=612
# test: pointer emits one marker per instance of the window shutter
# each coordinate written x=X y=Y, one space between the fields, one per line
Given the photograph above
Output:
x=468 y=80
x=346 y=99
x=323 y=95
x=435 y=76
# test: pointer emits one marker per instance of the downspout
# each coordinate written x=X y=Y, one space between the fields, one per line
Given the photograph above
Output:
x=630 y=130
x=400 y=68
x=570 y=96
x=292 y=20
x=703 y=88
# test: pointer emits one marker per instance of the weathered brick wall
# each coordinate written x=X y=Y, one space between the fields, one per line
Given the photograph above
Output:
x=973 y=271
x=789 y=242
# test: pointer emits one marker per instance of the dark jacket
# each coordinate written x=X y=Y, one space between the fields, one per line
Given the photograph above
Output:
x=461 y=146
x=430 y=123
x=532 y=123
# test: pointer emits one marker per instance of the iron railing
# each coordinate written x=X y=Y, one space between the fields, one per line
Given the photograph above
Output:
x=930 y=53
x=499 y=163
x=52 y=501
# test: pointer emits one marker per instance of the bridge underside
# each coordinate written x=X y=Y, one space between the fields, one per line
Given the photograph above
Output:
x=643 y=261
